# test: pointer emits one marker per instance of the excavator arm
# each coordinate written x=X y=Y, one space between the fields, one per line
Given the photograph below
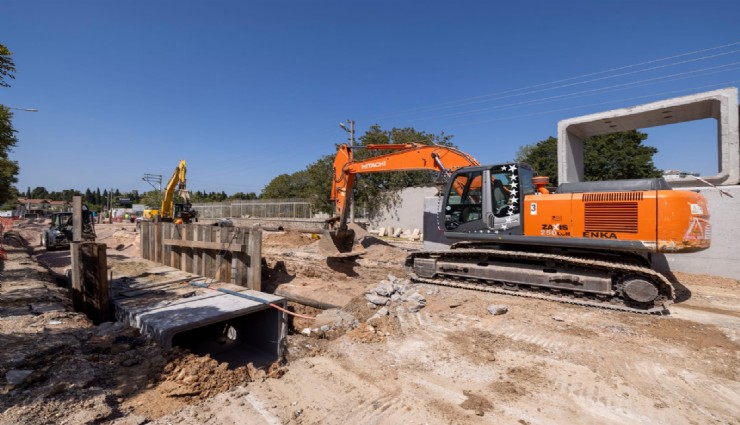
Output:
x=407 y=157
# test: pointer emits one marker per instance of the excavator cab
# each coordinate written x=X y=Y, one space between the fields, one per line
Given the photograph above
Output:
x=487 y=199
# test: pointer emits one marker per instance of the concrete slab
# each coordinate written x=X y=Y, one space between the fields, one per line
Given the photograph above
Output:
x=168 y=306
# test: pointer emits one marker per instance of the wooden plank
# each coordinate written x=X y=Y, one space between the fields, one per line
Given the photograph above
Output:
x=144 y=240
x=187 y=261
x=242 y=258
x=254 y=251
x=158 y=242
x=209 y=255
x=76 y=288
x=212 y=246
x=234 y=272
x=223 y=258
x=76 y=218
x=176 y=255
x=96 y=293
x=152 y=230
x=166 y=249
x=197 y=252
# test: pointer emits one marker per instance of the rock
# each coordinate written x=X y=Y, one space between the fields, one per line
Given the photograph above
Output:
x=130 y=362
x=306 y=331
x=416 y=302
x=371 y=306
x=385 y=289
x=325 y=328
x=383 y=311
x=381 y=231
x=396 y=297
x=397 y=233
x=15 y=376
x=497 y=309
x=119 y=348
x=558 y=319
x=377 y=299
x=389 y=231
x=335 y=318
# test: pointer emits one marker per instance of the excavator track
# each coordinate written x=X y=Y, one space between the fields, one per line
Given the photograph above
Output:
x=614 y=302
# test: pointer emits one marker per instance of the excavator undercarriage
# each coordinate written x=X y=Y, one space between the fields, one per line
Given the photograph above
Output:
x=603 y=279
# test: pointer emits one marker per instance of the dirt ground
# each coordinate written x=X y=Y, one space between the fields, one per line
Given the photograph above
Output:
x=442 y=361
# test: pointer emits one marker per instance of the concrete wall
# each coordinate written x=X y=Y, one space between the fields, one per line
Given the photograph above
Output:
x=409 y=213
x=723 y=258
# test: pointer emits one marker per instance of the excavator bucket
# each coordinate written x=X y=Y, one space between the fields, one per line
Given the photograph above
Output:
x=340 y=243
x=337 y=243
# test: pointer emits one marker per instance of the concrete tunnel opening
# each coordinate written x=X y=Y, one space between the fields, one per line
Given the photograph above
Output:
x=252 y=338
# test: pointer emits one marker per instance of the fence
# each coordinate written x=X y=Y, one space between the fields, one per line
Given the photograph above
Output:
x=274 y=208
x=226 y=254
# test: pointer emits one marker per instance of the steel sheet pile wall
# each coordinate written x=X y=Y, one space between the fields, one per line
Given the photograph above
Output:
x=225 y=254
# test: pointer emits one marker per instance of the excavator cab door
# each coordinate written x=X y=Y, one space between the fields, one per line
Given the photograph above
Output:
x=486 y=199
x=506 y=198
x=467 y=203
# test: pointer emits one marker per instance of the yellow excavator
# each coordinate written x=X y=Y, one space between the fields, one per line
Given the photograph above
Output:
x=171 y=211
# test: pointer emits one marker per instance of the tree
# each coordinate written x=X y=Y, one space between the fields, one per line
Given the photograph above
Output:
x=243 y=196
x=39 y=193
x=7 y=67
x=152 y=199
x=372 y=191
x=8 y=168
x=613 y=156
x=378 y=191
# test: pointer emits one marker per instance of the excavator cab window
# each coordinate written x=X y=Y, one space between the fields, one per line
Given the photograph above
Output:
x=465 y=200
x=500 y=193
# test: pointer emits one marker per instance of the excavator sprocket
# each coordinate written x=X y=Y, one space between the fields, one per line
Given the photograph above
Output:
x=574 y=279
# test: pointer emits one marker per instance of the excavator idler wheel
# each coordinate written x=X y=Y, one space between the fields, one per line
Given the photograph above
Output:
x=639 y=289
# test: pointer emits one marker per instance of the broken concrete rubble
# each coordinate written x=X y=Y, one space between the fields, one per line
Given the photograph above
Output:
x=395 y=290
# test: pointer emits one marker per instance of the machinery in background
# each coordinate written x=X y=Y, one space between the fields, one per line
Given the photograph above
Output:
x=60 y=230
x=171 y=211
x=590 y=243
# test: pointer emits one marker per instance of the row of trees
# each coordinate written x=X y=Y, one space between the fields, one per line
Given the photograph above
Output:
x=97 y=200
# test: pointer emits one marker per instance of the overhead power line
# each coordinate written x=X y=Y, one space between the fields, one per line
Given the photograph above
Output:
x=612 y=101
x=513 y=92
x=600 y=90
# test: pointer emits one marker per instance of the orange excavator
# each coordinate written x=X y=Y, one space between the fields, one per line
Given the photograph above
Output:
x=589 y=243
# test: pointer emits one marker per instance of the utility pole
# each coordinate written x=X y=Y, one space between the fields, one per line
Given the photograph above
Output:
x=351 y=131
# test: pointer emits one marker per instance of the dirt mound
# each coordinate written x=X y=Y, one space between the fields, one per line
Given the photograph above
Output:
x=375 y=330
x=381 y=252
x=199 y=377
x=287 y=238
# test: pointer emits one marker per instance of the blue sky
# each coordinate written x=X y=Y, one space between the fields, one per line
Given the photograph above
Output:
x=247 y=90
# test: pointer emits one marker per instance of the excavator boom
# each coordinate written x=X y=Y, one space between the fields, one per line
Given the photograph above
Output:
x=407 y=157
